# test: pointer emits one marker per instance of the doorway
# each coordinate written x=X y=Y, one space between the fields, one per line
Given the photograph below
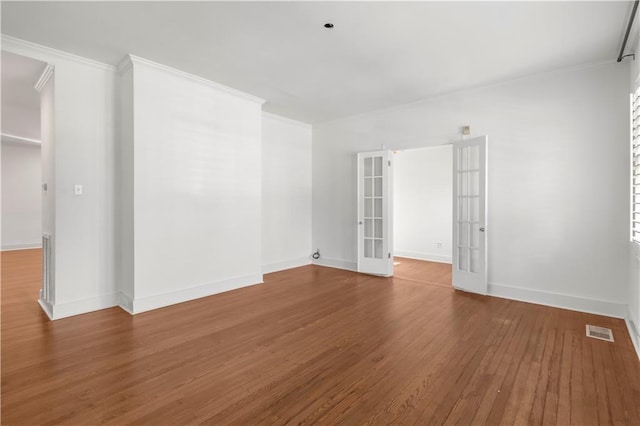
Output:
x=422 y=204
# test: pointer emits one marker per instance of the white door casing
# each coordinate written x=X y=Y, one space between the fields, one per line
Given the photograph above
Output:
x=469 y=269
x=375 y=213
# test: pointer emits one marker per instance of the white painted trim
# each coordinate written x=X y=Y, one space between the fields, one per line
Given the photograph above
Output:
x=423 y=256
x=44 y=78
x=6 y=138
x=125 y=303
x=336 y=263
x=634 y=330
x=23 y=47
x=286 y=120
x=285 y=264
x=84 y=306
x=557 y=300
x=48 y=310
x=162 y=300
x=27 y=246
x=136 y=60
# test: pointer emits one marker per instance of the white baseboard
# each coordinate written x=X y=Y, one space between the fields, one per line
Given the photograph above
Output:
x=557 y=300
x=335 y=263
x=633 y=326
x=148 y=303
x=431 y=257
x=286 y=264
x=77 y=307
x=10 y=247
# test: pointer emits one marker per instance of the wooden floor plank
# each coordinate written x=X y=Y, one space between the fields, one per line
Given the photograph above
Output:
x=313 y=345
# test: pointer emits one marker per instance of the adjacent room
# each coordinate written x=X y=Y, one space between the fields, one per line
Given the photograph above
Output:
x=320 y=212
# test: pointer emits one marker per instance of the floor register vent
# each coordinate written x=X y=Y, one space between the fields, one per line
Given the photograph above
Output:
x=599 y=333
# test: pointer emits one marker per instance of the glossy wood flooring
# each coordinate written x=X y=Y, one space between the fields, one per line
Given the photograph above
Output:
x=312 y=345
x=422 y=271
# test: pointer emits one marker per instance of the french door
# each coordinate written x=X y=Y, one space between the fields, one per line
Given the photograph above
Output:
x=375 y=213
x=469 y=269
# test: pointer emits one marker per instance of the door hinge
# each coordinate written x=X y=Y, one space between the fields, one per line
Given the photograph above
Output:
x=389 y=162
x=389 y=255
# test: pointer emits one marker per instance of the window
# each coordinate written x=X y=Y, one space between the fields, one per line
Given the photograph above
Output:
x=635 y=166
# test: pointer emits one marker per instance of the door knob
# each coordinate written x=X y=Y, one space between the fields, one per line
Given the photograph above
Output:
x=481 y=229
x=360 y=223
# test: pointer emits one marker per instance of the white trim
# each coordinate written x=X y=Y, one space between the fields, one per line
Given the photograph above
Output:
x=19 y=140
x=557 y=300
x=336 y=263
x=634 y=330
x=27 y=246
x=44 y=78
x=286 y=120
x=23 y=47
x=162 y=300
x=48 y=310
x=125 y=303
x=84 y=306
x=136 y=60
x=285 y=264
x=423 y=256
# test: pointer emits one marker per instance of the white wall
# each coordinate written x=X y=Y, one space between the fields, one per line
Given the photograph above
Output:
x=21 y=203
x=21 y=121
x=422 y=203
x=83 y=154
x=196 y=187
x=557 y=180
x=286 y=193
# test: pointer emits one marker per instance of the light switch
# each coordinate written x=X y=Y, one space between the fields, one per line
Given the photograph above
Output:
x=77 y=190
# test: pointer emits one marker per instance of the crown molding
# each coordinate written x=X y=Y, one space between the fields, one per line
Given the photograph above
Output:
x=286 y=120
x=136 y=60
x=20 y=140
x=46 y=74
x=27 y=48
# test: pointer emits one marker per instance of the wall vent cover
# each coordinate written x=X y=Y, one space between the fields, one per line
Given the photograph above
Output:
x=599 y=333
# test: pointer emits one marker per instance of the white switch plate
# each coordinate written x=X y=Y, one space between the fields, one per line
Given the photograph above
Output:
x=77 y=189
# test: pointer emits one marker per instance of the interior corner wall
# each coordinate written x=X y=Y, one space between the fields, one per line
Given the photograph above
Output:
x=286 y=193
x=633 y=294
x=196 y=188
x=84 y=130
x=422 y=203
x=21 y=196
x=557 y=181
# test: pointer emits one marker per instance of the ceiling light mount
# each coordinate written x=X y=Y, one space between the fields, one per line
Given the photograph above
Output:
x=328 y=25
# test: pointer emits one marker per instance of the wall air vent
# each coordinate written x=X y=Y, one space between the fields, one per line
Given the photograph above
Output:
x=599 y=333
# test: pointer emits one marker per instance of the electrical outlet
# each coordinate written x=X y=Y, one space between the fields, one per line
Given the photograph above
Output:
x=439 y=245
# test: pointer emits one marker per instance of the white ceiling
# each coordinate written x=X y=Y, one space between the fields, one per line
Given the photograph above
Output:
x=379 y=54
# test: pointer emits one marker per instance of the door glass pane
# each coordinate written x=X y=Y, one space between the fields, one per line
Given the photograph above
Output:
x=474 y=157
x=378 y=166
x=474 y=264
x=378 y=187
x=378 y=209
x=463 y=258
x=463 y=234
x=368 y=228
x=378 y=228
x=474 y=209
x=368 y=207
x=368 y=168
x=368 y=248
x=474 y=183
x=474 y=237
x=378 y=249
x=368 y=189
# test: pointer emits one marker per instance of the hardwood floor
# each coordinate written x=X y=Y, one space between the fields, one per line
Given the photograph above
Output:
x=312 y=345
x=422 y=271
